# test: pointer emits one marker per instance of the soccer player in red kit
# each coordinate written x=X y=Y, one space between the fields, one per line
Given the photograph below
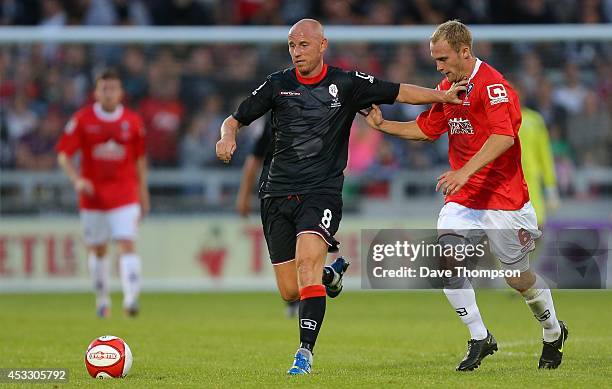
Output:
x=112 y=186
x=485 y=190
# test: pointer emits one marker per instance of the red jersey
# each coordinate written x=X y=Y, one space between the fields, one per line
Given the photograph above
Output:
x=110 y=145
x=490 y=107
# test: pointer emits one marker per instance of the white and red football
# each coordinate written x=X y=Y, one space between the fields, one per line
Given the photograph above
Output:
x=108 y=356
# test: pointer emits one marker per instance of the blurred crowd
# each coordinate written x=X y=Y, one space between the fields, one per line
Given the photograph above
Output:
x=282 y=12
x=184 y=92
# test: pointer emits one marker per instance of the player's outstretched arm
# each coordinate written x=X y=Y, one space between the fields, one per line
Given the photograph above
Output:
x=227 y=144
x=405 y=130
x=414 y=94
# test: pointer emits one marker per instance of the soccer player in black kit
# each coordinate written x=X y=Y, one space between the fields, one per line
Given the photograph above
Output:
x=313 y=106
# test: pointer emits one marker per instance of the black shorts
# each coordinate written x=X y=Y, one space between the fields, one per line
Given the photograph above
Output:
x=284 y=218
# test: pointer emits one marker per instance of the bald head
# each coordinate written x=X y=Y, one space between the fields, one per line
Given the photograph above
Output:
x=306 y=46
x=307 y=27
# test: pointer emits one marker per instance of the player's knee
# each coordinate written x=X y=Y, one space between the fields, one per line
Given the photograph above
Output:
x=290 y=294
x=126 y=246
x=522 y=282
x=307 y=265
x=99 y=250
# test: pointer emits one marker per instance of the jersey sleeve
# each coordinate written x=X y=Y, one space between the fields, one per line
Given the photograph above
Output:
x=263 y=142
x=497 y=104
x=141 y=148
x=368 y=90
x=70 y=141
x=256 y=105
x=433 y=122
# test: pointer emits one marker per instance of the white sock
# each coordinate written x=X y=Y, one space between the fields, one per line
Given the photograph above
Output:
x=99 y=269
x=541 y=304
x=464 y=303
x=129 y=266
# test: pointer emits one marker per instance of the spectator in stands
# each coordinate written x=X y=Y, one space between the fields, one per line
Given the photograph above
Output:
x=554 y=115
x=198 y=78
x=20 y=119
x=162 y=113
x=363 y=147
x=571 y=94
x=590 y=133
x=181 y=12
x=36 y=150
x=202 y=132
x=112 y=12
x=133 y=74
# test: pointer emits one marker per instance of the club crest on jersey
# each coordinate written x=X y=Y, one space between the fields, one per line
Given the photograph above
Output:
x=333 y=90
x=469 y=87
x=497 y=94
x=460 y=126
x=125 y=130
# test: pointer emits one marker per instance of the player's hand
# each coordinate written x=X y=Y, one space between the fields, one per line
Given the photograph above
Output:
x=553 y=202
x=457 y=89
x=83 y=185
x=451 y=182
x=225 y=149
x=243 y=205
x=374 y=118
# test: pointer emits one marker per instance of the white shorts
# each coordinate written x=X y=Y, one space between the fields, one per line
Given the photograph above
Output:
x=511 y=234
x=119 y=223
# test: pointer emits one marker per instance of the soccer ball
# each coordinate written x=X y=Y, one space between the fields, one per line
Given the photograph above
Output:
x=108 y=356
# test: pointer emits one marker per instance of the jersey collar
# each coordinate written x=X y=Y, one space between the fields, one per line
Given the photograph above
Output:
x=476 y=67
x=312 y=80
x=107 y=116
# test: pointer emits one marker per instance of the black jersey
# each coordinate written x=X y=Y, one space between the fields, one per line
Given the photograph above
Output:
x=262 y=149
x=311 y=126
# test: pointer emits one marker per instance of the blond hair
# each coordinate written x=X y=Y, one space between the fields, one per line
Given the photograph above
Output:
x=455 y=33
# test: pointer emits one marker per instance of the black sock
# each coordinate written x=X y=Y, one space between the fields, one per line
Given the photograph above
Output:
x=312 y=311
x=328 y=275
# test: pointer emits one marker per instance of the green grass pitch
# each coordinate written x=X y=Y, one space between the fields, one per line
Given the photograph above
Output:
x=369 y=339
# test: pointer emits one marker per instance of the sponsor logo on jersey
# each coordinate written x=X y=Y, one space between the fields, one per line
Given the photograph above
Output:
x=109 y=151
x=365 y=76
x=289 y=93
x=460 y=126
x=92 y=128
x=497 y=94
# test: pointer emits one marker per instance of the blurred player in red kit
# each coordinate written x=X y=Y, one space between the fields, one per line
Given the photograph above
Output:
x=111 y=184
